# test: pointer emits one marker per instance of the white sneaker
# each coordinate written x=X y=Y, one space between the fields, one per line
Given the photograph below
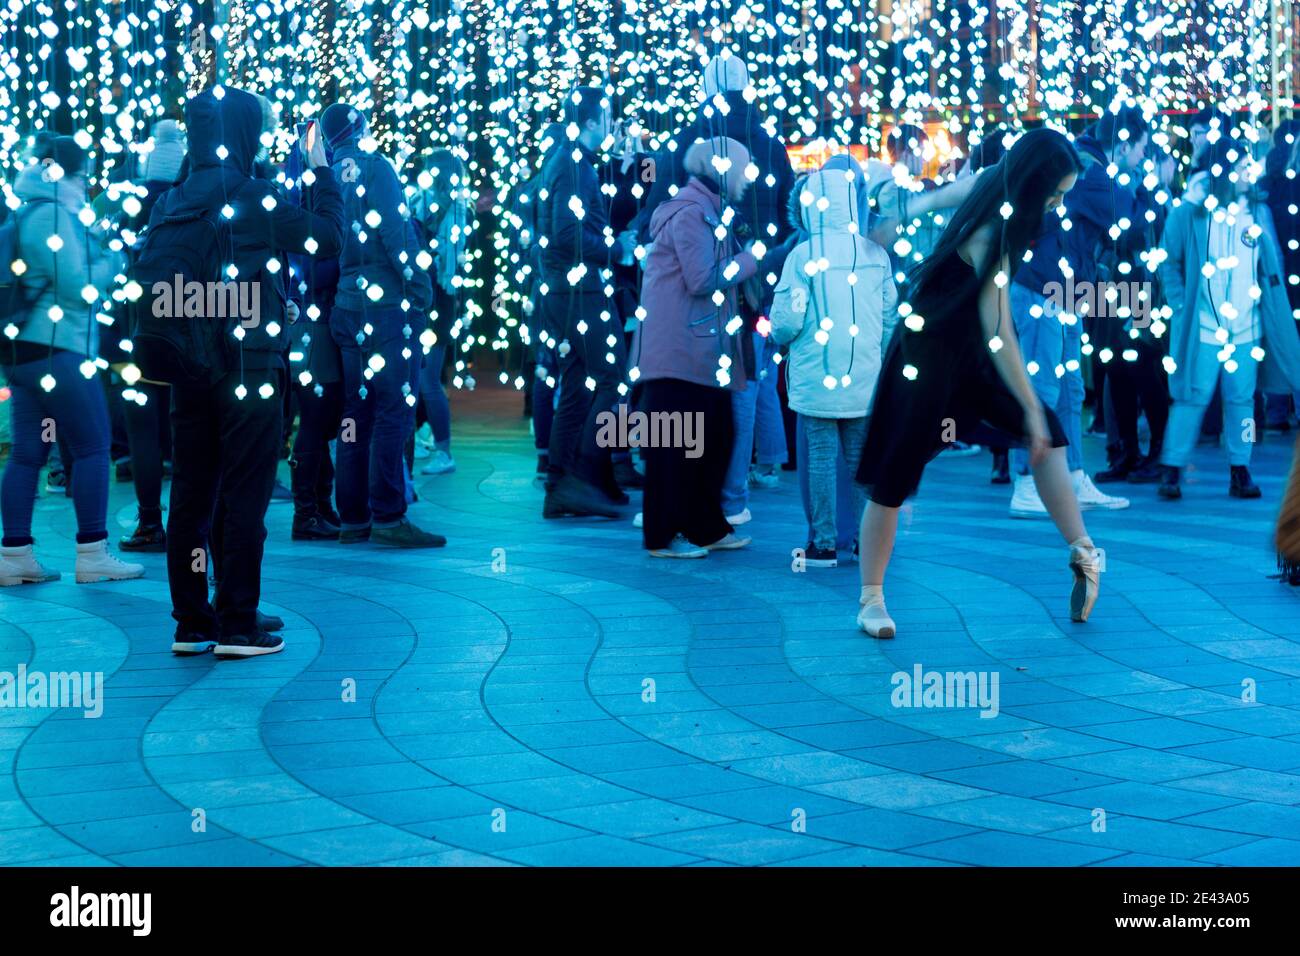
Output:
x=441 y=464
x=1090 y=496
x=764 y=479
x=19 y=566
x=639 y=520
x=743 y=518
x=96 y=563
x=421 y=451
x=730 y=542
x=680 y=548
x=1025 y=502
x=875 y=620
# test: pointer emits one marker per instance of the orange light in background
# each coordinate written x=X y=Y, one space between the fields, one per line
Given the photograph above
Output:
x=4 y=393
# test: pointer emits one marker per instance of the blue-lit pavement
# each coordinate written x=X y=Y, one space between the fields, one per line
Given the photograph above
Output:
x=543 y=693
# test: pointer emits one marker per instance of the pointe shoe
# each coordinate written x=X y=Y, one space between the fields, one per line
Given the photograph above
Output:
x=875 y=620
x=1086 y=564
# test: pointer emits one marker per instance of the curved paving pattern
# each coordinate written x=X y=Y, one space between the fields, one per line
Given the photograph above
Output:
x=564 y=700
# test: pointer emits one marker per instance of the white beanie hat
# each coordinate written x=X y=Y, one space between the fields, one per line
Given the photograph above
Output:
x=726 y=73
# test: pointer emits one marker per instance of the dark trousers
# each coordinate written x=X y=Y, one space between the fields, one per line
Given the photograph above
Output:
x=146 y=429
x=1135 y=385
x=370 y=481
x=221 y=445
x=573 y=447
x=318 y=424
x=684 y=495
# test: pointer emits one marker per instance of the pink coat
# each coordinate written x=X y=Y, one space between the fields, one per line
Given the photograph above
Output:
x=684 y=332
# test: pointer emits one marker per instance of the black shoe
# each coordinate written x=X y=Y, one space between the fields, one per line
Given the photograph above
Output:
x=815 y=557
x=1241 y=485
x=1118 y=471
x=328 y=514
x=354 y=535
x=572 y=496
x=187 y=643
x=617 y=495
x=627 y=476
x=147 y=537
x=314 y=528
x=1001 y=472
x=406 y=535
x=1282 y=426
x=1169 y=488
x=1148 y=472
x=269 y=622
x=255 y=644
x=122 y=470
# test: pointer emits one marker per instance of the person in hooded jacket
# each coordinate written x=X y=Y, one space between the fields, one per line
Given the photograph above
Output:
x=579 y=251
x=836 y=306
x=57 y=393
x=318 y=384
x=441 y=214
x=383 y=295
x=227 y=438
x=687 y=354
x=1231 y=324
x=1050 y=328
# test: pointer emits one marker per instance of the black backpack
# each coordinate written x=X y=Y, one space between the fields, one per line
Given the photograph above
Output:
x=176 y=348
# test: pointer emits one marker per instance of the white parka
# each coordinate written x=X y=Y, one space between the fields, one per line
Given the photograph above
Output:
x=836 y=304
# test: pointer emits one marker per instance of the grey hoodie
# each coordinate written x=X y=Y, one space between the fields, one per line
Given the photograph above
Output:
x=51 y=208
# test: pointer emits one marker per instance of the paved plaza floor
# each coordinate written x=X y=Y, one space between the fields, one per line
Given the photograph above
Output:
x=543 y=693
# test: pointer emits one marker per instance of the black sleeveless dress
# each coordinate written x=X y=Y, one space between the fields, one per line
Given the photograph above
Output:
x=938 y=383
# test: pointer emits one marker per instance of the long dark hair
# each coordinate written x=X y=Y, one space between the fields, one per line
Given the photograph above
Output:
x=1029 y=173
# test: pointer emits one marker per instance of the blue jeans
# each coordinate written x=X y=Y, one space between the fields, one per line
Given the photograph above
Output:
x=434 y=396
x=1238 y=392
x=1046 y=341
x=756 y=417
x=76 y=413
x=370 y=470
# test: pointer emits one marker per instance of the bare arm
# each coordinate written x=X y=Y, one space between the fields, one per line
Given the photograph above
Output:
x=996 y=323
x=949 y=196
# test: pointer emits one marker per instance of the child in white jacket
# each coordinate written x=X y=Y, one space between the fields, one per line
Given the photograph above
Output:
x=836 y=306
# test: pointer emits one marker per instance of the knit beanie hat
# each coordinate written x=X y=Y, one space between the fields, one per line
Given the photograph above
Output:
x=341 y=123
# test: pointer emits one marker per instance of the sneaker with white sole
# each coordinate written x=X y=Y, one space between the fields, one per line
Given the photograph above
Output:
x=639 y=520
x=1090 y=496
x=96 y=563
x=1086 y=564
x=440 y=464
x=255 y=644
x=765 y=477
x=875 y=620
x=743 y=518
x=19 y=566
x=730 y=542
x=679 y=547
x=1025 y=502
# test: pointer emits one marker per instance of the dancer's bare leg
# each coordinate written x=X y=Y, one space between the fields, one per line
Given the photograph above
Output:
x=876 y=542
x=1052 y=476
x=875 y=546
